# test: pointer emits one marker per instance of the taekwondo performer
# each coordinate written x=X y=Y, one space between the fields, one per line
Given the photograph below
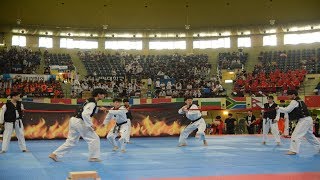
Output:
x=129 y=118
x=81 y=125
x=270 y=121
x=118 y=113
x=194 y=115
x=11 y=115
x=297 y=109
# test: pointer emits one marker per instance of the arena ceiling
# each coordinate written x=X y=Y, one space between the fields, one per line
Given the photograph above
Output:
x=155 y=14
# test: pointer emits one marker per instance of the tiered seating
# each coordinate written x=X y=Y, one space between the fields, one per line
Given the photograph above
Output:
x=233 y=60
x=102 y=64
x=272 y=82
x=289 y=60
x=188 y=66
x=19 y=60
x=171 y=75
x=58 y=59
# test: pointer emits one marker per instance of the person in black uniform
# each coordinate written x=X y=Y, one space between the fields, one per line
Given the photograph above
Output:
x=270 y=121
x=11 y=115
x=81 y=126
x=250 y=120
x=230 y=124
x=297 y=109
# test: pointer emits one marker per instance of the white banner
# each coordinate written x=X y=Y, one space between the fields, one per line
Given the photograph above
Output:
x=55 y=67
x=29 y=77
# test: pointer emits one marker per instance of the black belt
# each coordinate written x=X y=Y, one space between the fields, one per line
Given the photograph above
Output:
x=118 y=125
x=195 y=119
x=14 y=124
x=269 y=120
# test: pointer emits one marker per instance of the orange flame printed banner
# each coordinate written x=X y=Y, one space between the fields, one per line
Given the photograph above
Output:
x=53 y=125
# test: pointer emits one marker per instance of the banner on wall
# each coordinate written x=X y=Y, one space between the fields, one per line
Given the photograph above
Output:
x=57 y=67
x=116 y=78
x=51 y=121
x=29 y=77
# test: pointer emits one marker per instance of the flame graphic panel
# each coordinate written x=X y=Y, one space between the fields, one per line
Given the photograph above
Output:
x=39 y=125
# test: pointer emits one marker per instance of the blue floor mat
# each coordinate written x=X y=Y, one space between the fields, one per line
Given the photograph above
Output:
x=160 y=158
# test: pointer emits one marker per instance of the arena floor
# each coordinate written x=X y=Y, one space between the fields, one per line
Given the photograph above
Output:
x=225 y=158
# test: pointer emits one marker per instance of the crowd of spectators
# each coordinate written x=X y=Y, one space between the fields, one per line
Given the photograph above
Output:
x=168 y=75
x=232 y=60
x=158 y=88
x=261 y=82
x=34 y=88
x=19 y=60
x=290 y=60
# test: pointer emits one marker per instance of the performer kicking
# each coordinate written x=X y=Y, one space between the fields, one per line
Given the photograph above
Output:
x=297 y=109
x=11 y=115
x=129 y=117
x=81 y=125
x=118 y=113
x=196 y=122
x=270 y=121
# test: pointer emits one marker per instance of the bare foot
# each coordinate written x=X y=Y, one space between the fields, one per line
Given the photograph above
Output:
x=94 y=160
x=183 y=144
x=291 y=153
x=205 y=143
x=115 y=148
x=53 y=157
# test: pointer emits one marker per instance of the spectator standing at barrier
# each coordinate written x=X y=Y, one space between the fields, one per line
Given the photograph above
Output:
x=129 y=118
x=119 y=114
x=11 y=116
x=193 y=113
x=250 y=120
x=217 y=126
x=270 y=120
x=230 y=124
x=81 y=126
x=297 y=109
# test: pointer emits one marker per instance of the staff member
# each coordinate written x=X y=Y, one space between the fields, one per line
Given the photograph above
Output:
x=11 y=115
x=250 y=120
